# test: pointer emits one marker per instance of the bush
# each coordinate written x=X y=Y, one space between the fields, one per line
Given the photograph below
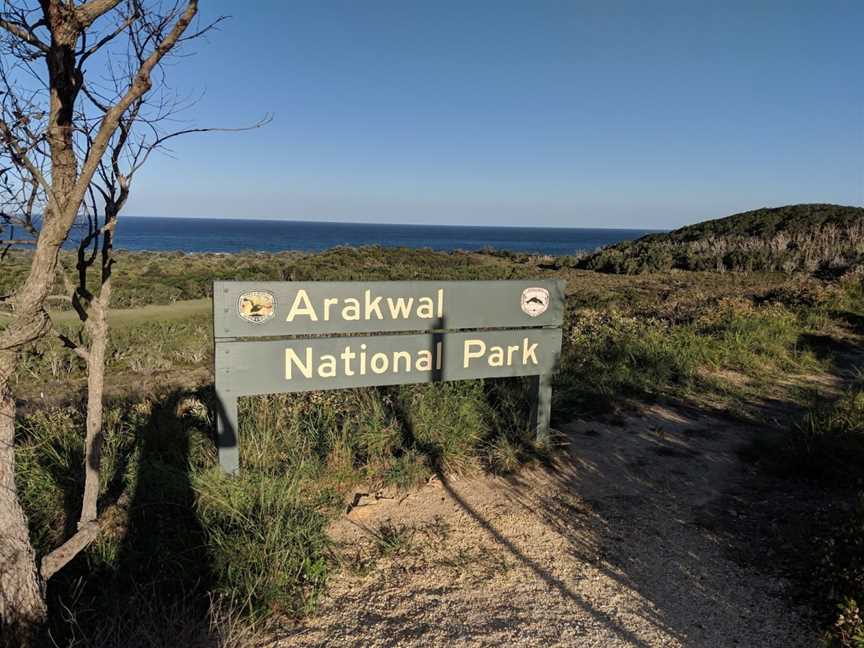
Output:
x=267 y=547
x=838 y=575
x=828 y=445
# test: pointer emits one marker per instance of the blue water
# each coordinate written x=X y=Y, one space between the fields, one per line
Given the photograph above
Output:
x=234 y=235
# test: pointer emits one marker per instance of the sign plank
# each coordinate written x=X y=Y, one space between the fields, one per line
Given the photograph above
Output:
x=273 y=309
x=276 y=366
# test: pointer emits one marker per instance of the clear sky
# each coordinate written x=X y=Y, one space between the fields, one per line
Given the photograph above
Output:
x=578 y=114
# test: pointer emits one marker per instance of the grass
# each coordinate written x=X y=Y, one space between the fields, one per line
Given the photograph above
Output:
x=252 y=546
x=189 y=546
x=827 y=450
x=611 y=355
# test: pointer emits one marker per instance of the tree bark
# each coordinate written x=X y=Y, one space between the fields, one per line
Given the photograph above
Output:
x=98 y=328
x=22 y=603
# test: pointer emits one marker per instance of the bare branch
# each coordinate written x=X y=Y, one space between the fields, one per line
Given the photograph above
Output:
x=86 y=534
x=140 y=85
x=60 y=557
x=70 y=344
x=135 y=15
x=90 y=11
x=25 y=33
x=159 y=141
x=19 y=156
x=17 y=242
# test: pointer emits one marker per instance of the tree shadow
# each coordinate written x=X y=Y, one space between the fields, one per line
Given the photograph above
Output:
x=841 y=353
x=145 y=581
x=641 y=509
x=433 y=453
x=648 y=506
x=854 y=320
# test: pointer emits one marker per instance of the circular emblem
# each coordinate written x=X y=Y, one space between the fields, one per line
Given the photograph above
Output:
x=534 y=301
x=256 y=306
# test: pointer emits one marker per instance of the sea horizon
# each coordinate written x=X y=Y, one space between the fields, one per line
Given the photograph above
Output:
x=226 y=234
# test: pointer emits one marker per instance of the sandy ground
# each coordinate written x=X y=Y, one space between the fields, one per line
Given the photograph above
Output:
x=608 y=548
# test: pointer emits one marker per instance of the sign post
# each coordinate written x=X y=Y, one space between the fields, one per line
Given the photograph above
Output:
x=278 y=337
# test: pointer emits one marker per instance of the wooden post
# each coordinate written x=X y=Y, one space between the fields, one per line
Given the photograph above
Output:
x=541 y=407
x=226 y=430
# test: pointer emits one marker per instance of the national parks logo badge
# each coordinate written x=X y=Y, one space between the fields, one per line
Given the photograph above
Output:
x=534 y=301
x=256 y=306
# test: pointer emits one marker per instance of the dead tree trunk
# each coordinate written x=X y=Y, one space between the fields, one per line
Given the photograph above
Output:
x=22 y=603
x=98 y=328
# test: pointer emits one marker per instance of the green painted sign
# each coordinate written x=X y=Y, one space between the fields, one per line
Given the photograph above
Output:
x=287 y=308
x=448 y=331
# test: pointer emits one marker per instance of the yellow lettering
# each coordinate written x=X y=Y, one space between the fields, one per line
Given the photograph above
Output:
x=301 y=306
x=329 y=301
x=510 y=351
x=424 y=360
x=401 y=354
x=292 y=357
x=327 y=366
x=354 y=306
x=401 y=307
x=372 y=305
x=379 y=363
x=424 y=307
x=529 y=351
x=468 y=354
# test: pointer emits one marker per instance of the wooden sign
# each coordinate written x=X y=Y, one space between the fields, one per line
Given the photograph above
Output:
x=313 y=343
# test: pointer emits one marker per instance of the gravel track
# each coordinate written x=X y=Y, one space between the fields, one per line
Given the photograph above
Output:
x=605 y=549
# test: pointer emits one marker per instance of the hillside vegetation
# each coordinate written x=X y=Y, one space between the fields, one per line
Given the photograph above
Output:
x=796 y=238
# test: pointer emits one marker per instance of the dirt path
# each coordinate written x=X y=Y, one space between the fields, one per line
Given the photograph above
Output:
x=607 y=549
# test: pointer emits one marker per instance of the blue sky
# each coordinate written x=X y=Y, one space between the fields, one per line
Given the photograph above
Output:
x=576 y=114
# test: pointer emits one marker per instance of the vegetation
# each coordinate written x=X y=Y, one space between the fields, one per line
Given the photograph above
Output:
x=827 y=448
x=225 y=557
x=143 y=278
x=796 y=238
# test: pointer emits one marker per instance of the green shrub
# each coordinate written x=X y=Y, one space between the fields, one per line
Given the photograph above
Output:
x=446 y=422
x=267 y=546
x=838 y=578
x=828 y=445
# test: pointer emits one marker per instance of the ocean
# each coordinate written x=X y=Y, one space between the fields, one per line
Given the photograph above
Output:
x=236 y=235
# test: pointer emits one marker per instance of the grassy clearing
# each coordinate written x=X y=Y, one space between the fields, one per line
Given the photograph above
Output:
x=136 y=348
x=201 y=553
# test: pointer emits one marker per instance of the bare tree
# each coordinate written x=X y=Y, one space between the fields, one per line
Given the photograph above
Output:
x=70 y=143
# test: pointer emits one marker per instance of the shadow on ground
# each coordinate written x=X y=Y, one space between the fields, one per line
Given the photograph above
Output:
x=145 y=582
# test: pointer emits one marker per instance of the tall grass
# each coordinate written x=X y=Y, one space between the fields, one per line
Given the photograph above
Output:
x=266 y=542
x=611 y=355
x=183 y=539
